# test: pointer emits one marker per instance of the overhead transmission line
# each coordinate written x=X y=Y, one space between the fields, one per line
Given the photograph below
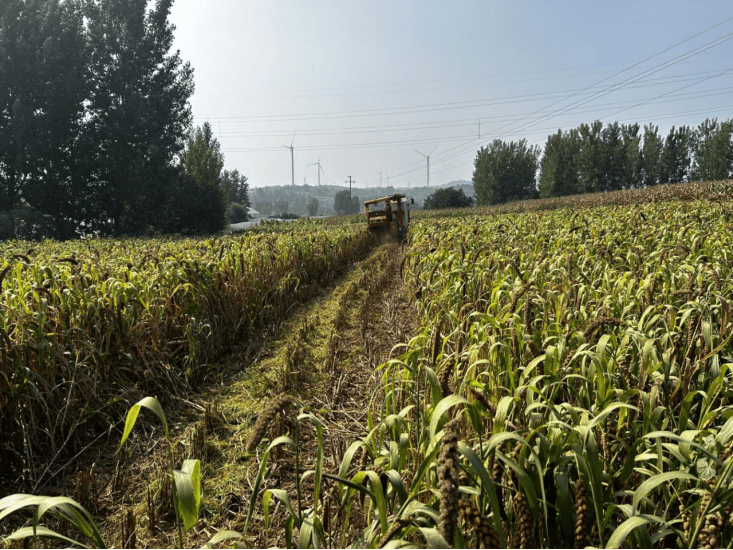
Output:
x=559 y=111
x=458 y=123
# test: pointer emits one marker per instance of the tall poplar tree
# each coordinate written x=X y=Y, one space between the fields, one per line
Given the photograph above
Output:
x=591 y=157
x=652 y=156
x=138 y=110
x=713 y=150
x=506 y=171
x=197 y=202
x=42 y=92
x=676 y=156
x=559 y=165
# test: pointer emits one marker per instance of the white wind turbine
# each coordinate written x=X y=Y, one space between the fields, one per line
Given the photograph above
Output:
x=319 y=170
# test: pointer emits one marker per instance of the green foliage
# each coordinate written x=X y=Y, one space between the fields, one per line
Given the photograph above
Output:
x=344 y=205
x=312 y=206
x=197 y=204
x=42 y=93
x=505 y=172
x=264 y=207
x=94 y=112
x=652 y=156
x=559 y=175
x=677 y=155
x=138 y=113
x=448 y=197
x=237 y=213
x=236 y=188
x=281 y=206
x=713 y=150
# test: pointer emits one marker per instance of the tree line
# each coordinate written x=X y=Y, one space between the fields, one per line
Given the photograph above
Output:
x=593 y=158
x=96 y=129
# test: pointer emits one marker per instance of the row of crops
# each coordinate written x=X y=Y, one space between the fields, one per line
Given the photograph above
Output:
x=571 y=386
x=88 y=327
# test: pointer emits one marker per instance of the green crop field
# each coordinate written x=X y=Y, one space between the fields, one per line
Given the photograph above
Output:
x=569 y=384
x=88 y=326
x=586 y=356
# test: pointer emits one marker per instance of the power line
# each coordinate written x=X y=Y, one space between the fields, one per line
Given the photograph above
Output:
x=409 y=109
x=558 y=111
x=458 y=123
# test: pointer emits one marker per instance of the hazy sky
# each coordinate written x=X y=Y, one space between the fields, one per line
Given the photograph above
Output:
x=363 y=84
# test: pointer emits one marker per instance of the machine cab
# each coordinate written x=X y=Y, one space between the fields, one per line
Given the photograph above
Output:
x=389 y=214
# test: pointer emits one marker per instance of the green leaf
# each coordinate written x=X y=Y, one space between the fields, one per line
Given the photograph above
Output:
x=488 y=486
x=43 y=532
x=193 y=469
x=726 y=432
x=422 y=469
x=653 y=482
x=348 y=457
x=618 y=537
x=434 y=538
x=222 y=536
x=375 y=484
x=306 y=530
x=149 y=403
x=283 y=497
x=441 y=408
x=185 y=499
x=395 y=479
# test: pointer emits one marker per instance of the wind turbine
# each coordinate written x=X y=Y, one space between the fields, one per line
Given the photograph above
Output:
x=292 y=159
x=427 y=157
x=319 y=170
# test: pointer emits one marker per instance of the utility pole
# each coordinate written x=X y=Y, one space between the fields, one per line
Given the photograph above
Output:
x=350 y=182
x=428 y=157
x=479 y=128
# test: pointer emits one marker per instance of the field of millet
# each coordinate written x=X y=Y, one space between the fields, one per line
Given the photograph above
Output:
x=569 y=384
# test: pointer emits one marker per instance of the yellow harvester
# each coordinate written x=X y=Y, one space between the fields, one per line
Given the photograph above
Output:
x=392 y=217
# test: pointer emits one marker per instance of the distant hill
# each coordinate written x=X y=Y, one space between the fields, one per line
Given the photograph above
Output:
x=297 y=196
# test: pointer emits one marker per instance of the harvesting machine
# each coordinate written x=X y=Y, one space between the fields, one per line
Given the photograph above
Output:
x=391 y=217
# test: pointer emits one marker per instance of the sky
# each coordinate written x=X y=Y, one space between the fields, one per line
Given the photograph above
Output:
x=364 y=87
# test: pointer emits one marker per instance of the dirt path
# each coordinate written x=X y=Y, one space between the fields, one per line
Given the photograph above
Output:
x=324 y=357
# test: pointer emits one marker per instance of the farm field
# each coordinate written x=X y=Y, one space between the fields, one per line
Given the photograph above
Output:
x=89 y=327
x=550 y=378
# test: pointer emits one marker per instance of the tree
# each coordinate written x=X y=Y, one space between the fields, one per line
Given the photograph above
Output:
x=138 y=111
x=632 y=156
x=713 y=150
x=281 y=206
x=591 y=157
x=506 y=172
x=342 y=204
x=235 y=187
x=448 y=197
x=197 y=204
x=676 y=156
x=42 y=92
x=312 y=206
x=652 y=155
x=559 y=165
x=236 y=213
